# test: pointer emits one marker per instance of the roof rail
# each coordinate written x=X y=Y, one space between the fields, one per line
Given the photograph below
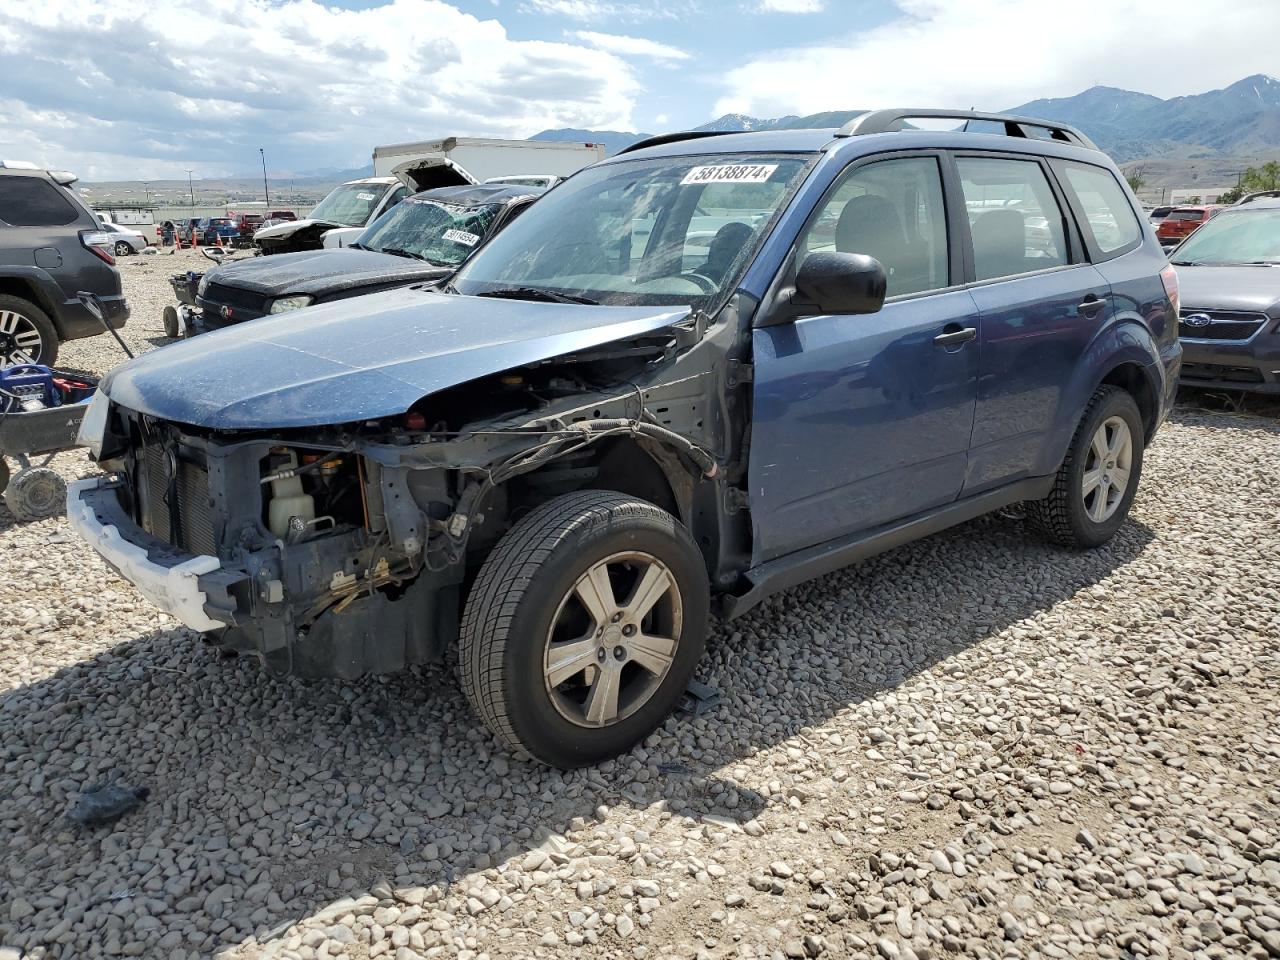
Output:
x=662 y=138
x=1260 y=195
x=889 y=121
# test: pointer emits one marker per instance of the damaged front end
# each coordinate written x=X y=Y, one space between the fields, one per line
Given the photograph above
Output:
x=344 y=550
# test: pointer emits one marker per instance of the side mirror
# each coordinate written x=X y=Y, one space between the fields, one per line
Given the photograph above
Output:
x=842 y=282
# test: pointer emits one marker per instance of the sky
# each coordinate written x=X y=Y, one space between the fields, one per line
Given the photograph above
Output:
x=148 y=89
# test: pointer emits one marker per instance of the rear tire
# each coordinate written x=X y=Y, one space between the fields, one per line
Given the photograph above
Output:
x=27 y=330
x=551 y=660
x=123 y=249
x=1095 y=486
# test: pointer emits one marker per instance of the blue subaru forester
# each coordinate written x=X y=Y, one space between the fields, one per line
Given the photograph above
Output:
x=689 y=376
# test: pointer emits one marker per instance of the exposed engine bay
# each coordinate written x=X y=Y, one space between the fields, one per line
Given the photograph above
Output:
x=345 y=549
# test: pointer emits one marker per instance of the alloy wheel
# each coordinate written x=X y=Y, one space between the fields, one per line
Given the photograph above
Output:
x=605 y=658
x=19 y=339
x=1106 y=469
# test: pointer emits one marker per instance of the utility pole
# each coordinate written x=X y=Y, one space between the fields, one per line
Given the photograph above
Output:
x=266 y=194
x=146 y=188
x=193 y=192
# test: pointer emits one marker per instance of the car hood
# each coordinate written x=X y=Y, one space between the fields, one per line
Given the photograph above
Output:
x=323 y=272
x=339 y=363
x=1229 y=288
x=290 y=227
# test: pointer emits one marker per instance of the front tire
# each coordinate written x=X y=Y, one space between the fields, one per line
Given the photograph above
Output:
x=583 y=627
x=26 y=333
x=1095 y=486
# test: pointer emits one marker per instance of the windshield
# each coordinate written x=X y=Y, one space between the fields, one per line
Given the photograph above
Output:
x=350 y=204
x=443 y=233
x=1235 y=237
x=652 y=232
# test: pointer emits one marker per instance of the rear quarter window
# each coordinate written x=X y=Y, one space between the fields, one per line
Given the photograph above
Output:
x=34 y=202
x=1109 y=217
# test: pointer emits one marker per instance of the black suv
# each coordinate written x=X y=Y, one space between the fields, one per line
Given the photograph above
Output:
x=51 y=247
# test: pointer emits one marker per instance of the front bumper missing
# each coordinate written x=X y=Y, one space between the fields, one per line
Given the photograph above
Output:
x=174 y=581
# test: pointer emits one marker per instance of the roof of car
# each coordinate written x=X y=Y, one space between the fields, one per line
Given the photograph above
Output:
x=755 y=141
x=1262 y=203
x=831 y=140
x=480 y=193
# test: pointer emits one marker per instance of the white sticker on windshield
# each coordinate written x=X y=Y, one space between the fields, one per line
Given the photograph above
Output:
x=366 y=196
x=731 y=173
x=462 y=237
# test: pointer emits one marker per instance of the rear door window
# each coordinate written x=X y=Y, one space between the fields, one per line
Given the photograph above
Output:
x=34 y=202
x=1014 y=219
x=1108 y=215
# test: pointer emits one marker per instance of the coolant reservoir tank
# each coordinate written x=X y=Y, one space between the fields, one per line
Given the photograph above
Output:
x=288 y=500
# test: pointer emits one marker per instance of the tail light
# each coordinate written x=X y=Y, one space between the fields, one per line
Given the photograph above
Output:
x=99 y=244
x=1169 y=277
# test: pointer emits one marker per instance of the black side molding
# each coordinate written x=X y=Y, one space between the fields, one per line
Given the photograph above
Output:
x=776 y=575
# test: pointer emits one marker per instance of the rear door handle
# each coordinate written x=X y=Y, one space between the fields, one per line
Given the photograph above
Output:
x=1091 y=305
x=953 y=334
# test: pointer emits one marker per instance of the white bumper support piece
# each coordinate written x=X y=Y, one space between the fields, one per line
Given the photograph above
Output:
x=175 y=589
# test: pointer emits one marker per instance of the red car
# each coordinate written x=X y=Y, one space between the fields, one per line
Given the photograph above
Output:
x=247 y=223
x=1184 y=221
x=282 y=215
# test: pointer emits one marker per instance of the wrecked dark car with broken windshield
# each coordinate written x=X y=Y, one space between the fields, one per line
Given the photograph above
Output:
x=422 y=239
x=668 y=387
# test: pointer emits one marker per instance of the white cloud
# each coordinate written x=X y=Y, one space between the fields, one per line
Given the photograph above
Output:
x=631 y=46
x=995 y=54
x=790 y=6
x=624 y=10
x=145 y=90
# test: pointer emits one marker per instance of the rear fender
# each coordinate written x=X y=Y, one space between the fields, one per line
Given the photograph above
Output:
x=32 y=283
x=1126 y=342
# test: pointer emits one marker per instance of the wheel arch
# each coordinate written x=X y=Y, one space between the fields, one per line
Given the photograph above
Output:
x=1137 y=381
x=30 y=289
x=637 y=467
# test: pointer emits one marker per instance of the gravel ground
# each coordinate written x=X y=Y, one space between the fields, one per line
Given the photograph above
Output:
x=976 y=745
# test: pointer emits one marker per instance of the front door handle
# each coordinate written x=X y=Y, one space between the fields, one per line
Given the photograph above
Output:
x=1091 y=305
x=953 y=335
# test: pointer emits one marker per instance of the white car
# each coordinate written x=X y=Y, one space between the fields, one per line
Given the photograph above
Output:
x=124 y=240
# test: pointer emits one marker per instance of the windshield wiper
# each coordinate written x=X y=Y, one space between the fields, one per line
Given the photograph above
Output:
x=1185 y=263
x=537 y=293
x=397 y=252
x=1262 y=263
x=355 y=245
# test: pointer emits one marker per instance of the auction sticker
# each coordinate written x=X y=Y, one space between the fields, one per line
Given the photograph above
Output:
x=366 y=196
x=462 y=237
x=731 y=173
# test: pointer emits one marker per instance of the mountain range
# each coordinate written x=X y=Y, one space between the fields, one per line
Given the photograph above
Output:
x=1240 y=120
